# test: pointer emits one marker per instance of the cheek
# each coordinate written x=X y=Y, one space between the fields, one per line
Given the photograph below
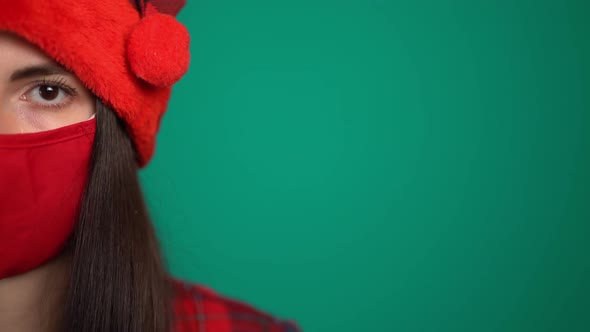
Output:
x=85 y=107
x=21 y=118
x=17 y=121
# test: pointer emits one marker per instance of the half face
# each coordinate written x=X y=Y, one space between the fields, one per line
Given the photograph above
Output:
x=36 y=94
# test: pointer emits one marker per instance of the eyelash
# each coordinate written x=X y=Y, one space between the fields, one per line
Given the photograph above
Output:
x=59 y=83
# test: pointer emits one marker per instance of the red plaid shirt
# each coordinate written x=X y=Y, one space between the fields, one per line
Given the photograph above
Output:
x=199 y=309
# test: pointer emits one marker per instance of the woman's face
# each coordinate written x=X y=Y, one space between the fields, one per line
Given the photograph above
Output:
x=36 y=94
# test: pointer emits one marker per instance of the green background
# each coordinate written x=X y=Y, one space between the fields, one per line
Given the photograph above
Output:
x=382 y=165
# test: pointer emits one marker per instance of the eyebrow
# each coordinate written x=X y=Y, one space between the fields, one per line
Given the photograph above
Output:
x=36 y=71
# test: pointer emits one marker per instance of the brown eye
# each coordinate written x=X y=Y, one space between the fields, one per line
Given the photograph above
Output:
x=49 y=93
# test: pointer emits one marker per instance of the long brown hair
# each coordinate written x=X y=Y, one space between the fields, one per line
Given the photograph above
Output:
x=118 y=281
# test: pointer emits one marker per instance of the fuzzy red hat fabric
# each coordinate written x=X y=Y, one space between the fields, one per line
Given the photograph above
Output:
x=127 y=53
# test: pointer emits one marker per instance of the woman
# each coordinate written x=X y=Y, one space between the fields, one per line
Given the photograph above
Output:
x=83 y=86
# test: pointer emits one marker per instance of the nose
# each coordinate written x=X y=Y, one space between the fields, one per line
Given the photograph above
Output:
x=8 y=119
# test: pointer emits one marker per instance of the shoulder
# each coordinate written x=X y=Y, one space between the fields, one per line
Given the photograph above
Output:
x=200 y=309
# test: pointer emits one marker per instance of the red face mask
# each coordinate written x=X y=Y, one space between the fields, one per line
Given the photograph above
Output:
x=42 y=178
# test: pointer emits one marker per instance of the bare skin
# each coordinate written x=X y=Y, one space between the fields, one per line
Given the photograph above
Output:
x=36 y=95
x=34 y=301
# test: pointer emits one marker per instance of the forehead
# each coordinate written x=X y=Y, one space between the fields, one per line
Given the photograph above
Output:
x=17 y=52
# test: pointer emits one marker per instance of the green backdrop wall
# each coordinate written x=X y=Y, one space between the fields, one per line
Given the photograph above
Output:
x=383 y=165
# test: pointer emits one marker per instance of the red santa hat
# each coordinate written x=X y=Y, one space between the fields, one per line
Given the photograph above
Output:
x=128 y=53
